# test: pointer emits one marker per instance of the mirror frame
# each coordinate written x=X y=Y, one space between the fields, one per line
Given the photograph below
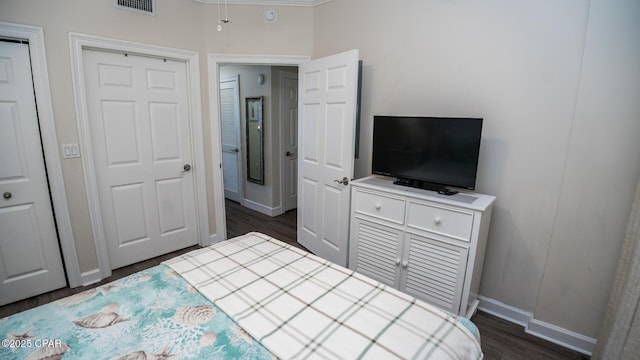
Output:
x=254 y=112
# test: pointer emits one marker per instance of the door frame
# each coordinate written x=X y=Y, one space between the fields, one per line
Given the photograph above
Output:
x=213 y=65
x=79 y=42
x=46 y=122
x=283 y=174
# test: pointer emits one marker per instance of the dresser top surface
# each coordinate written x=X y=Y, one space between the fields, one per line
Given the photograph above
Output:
x=465 y=199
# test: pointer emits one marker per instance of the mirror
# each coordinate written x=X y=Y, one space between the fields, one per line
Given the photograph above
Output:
x=255 y=151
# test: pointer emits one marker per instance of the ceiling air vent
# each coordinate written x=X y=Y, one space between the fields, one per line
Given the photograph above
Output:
x=141 y=6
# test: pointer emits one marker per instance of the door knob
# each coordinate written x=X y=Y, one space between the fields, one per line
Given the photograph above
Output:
x=289 y=153
x=186 y=167
x=344 y=181
x=7 y=195
x=234 y=150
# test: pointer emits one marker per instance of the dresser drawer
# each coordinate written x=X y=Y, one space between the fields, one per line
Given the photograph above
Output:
x=445 y=221
x=379 y=205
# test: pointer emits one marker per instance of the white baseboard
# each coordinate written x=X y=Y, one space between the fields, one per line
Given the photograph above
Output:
x=504 y=311
x=541 y=329
x=214 y=238
x=91 y=277
x=561 y=336
x=262 y=208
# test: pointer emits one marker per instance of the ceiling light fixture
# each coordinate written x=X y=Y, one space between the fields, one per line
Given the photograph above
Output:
x=226 y=15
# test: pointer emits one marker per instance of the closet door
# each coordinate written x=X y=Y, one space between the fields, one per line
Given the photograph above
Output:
x=30 y=261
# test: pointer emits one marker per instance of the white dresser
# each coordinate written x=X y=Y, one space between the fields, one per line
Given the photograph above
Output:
x=428 y=245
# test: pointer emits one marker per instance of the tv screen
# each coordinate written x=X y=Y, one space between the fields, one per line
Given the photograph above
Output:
x=427 y=151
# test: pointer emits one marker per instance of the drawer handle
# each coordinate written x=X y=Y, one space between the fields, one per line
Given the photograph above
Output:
x=378 y=206
x=437 y=220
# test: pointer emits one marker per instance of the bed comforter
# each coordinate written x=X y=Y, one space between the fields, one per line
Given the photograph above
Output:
x=153 y=314
x=300 y=306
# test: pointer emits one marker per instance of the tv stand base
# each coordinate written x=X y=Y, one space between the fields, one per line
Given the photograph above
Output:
x=425 y=185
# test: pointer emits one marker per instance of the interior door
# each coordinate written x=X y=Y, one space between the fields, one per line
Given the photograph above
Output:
x=30 y=261
x=141 y=140
x=289 y=109
x=230 y=131
x=326 y=131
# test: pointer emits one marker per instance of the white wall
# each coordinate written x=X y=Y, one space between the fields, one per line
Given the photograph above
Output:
x=601 y=172
x=548 y=140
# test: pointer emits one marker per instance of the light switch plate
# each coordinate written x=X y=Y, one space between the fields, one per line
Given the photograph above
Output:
x=70 y=151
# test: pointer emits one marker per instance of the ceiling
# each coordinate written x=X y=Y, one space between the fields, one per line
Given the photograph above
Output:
x=267 y=2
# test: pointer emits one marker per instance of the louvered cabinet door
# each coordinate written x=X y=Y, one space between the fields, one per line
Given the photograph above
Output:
x=434 y=270
x=376 y=251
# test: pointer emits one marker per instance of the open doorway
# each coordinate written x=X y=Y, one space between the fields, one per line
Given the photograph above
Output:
x=264 y=145
x=328 y=104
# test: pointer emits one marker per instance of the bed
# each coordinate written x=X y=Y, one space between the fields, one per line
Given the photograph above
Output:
x=251 y=297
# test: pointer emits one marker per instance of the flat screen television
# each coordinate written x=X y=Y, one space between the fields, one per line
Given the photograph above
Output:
x=427 y=152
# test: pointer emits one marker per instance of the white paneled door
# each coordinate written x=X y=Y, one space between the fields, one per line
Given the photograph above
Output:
x=231 y=144
x=289 y=109
x=141 y=143
x=30 y=261
x=326 y=129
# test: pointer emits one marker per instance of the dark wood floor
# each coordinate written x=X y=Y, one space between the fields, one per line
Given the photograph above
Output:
x=501 y=340
x=241 y=220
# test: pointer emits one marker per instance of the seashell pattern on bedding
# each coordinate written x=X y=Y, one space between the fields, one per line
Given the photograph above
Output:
x=23 y=336
x=208 y=339
x=49 y=352
x=194 y=315
x=154 y=314
x=143 y=355
x=85 y=295
x=99 y=320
